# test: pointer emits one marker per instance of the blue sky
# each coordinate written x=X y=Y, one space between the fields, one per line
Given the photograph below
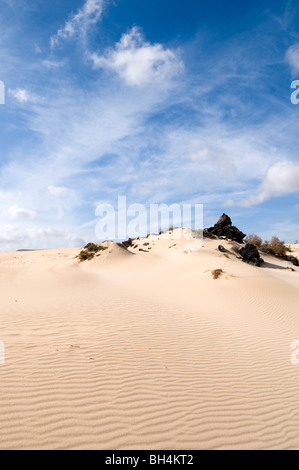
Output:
x=162 y=101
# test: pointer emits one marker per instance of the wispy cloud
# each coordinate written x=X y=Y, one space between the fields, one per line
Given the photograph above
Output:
x=52 y=64
x=152 y=121
x=292 y=57
x=57 y=191
x=19 y=213
x=11 y=3
x=79 y=22
x=22 y=96
x=37 y=49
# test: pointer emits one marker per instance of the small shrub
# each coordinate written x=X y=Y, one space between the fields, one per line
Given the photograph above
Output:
x=217 y=273
x=276 y=248
x=254 y=240
x=85 y=255
x=266 y=248
x=93 y=248
x=89 y=251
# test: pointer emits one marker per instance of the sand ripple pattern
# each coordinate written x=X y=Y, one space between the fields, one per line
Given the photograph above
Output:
x=95 y=366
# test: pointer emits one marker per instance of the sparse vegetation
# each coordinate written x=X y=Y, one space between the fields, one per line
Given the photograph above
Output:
x=275 y=248
x=93 y=248
x=254 y=240
x=217 y=273
x=90 y=251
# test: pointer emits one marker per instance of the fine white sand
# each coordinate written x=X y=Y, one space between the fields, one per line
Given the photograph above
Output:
x=147 y=350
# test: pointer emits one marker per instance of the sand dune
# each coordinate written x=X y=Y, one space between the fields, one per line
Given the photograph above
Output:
x=144 y=350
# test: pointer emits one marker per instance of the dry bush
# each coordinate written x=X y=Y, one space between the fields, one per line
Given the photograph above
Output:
x=85 y=255
x=254 y=240
x=217 y=273
x=89 y=251
x=93 y=248
x=276 y=248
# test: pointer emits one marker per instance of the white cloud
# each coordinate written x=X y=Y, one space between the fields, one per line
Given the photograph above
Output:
x=198 y=151
x=57 y=191
x=138 y=62
x=13 y=238
x=22 y=96
x=17 y=213
x=281 y=179
x=52 y=64
x=78 y=24
x=11 y=3
x=37 y=49
x=163 y=142
x=292 y=57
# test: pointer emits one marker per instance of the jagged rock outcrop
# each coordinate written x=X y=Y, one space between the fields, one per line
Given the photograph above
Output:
x=250 y=255
x=225 y=228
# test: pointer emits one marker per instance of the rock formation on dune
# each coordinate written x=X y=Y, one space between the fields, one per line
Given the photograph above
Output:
x=250 y=255
x=225 y=228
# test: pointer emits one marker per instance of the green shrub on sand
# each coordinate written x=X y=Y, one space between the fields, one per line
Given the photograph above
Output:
x=90 y=251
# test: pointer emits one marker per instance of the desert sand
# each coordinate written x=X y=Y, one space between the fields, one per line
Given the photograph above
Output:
x=145 y=350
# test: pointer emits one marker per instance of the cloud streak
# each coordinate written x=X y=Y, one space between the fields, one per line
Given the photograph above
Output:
x=292 y=57
x=78 y=24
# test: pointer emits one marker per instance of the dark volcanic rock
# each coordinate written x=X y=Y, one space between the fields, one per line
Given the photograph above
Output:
x=293 y=260
x=222 y=249
x=207 y=234
x=224 y=221
x=224 y=228
x=128 y=243
x=250 y=255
